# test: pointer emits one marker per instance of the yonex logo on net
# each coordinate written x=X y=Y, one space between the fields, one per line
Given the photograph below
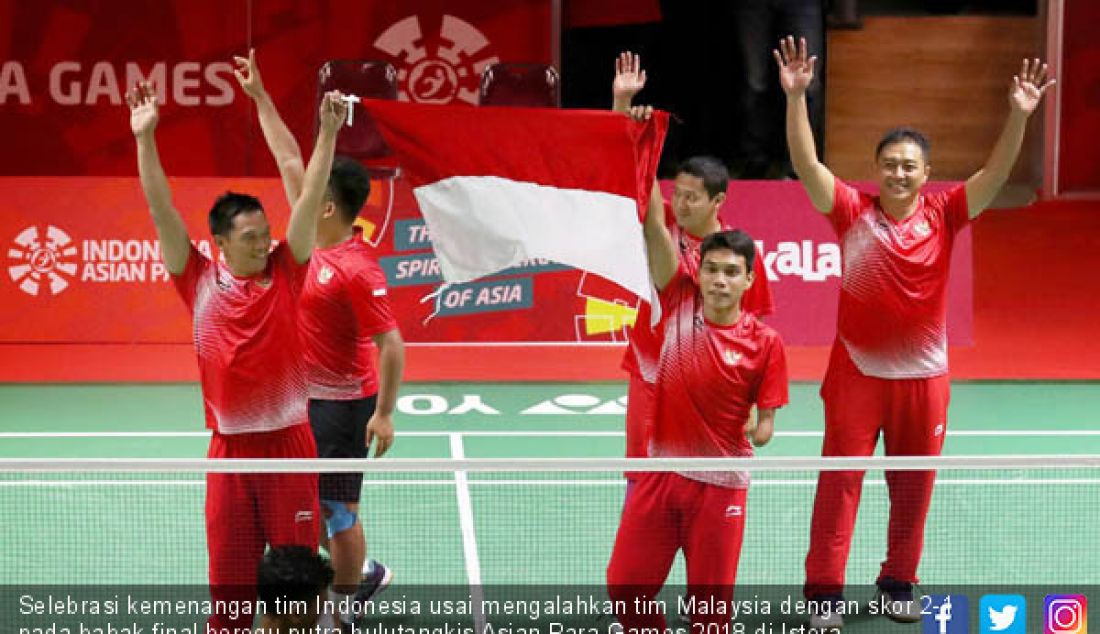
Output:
x=452 y=71
x=42 y=261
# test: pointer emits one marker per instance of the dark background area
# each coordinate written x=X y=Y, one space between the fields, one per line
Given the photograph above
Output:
x=691 y=57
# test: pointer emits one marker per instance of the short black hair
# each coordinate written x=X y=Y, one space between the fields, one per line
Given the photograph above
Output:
x=227 y=207
x=904 y=134
x=715 y=176
x=737 y=241
x=292 y=573
x=348 y=186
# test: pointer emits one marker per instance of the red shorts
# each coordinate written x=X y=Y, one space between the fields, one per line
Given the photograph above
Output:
x=667 y=513
x=247 y=511
x=911 y=414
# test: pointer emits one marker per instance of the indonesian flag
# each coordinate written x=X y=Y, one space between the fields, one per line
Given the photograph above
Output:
x=500 y=186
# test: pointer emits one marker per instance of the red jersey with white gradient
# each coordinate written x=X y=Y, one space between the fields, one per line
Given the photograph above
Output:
x=708 y=378
x=645 y=342
x=246 y=339
x=344 y=304
x=893 y=304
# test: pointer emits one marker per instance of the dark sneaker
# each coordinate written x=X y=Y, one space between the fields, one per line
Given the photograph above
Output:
x=373 y=582
x=896 y=598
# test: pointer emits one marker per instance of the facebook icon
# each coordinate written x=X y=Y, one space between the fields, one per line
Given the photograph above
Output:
x=945 y=614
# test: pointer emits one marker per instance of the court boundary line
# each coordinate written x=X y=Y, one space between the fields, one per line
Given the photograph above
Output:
x=579 y=483
x=488 y=433
x=469 y=532
x=755 y=464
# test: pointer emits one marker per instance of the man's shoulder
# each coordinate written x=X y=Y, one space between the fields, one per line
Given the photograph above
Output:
x=760 y=331
x=937 y=202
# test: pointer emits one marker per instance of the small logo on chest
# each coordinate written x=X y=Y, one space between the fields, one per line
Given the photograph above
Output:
x=922 y=229
x=325 y=275
x=731 y=357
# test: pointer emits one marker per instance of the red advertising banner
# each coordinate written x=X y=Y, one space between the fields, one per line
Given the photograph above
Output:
x=82 y=266
x=64 y=69
x=81 y=263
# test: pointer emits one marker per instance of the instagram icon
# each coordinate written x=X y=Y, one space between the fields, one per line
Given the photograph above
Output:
x=1065 y=614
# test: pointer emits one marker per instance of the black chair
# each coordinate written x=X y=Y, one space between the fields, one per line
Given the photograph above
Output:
x=515 y=84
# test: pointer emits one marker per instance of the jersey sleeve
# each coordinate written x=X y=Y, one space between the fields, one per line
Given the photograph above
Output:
x=847 y=203
x=187 y=282
x=956 y=211
x=773 y=385
x=758 y=299
x=672 y=295
x=368 y=297
x=283 y=261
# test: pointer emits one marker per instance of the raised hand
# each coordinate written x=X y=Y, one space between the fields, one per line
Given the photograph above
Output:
x=334 y=111
x=143 y=109
x=641 y=113
x=1028 y=87
x=796 y=67
x=629 y=78
x=248 y=75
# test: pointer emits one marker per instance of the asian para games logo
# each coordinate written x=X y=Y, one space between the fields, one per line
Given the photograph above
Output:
x=42 y=261
x=438 y=68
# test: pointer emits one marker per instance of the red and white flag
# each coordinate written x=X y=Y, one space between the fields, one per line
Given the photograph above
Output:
x=500 y=186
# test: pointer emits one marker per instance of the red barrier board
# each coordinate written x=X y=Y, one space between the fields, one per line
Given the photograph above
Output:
x=82 y=265
x=64 y=68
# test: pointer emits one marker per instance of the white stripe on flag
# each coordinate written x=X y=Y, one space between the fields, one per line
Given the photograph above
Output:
x=483 y=224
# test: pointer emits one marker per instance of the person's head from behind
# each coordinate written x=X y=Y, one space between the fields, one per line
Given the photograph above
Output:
x=699 y=190
x=901 y=161
x=292 y=578
x=725 y=270
x=240 y=229
x=348 y=189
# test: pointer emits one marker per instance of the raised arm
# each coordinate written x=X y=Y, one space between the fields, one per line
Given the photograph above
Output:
x=283 y=145
x=796 y=72
x=1023 y=98
x=629 y=81
x=660 y=250
x=302 y=230
x=175 y=245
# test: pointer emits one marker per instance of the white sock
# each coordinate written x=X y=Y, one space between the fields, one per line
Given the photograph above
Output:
x=345 y=605
x=368 y=566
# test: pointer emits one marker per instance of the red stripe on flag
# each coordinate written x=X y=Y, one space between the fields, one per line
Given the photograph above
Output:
x=573 y=149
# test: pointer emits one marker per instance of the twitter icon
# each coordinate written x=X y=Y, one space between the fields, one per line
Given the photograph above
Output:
x=1003 y=614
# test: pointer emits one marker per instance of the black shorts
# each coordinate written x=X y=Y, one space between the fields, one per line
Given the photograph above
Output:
x=340 y=429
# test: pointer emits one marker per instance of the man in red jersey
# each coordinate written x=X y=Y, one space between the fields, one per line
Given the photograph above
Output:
x=888 y=368
x=344 y=314
x=245 y=315
x=700 y=190
x=716 y=362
